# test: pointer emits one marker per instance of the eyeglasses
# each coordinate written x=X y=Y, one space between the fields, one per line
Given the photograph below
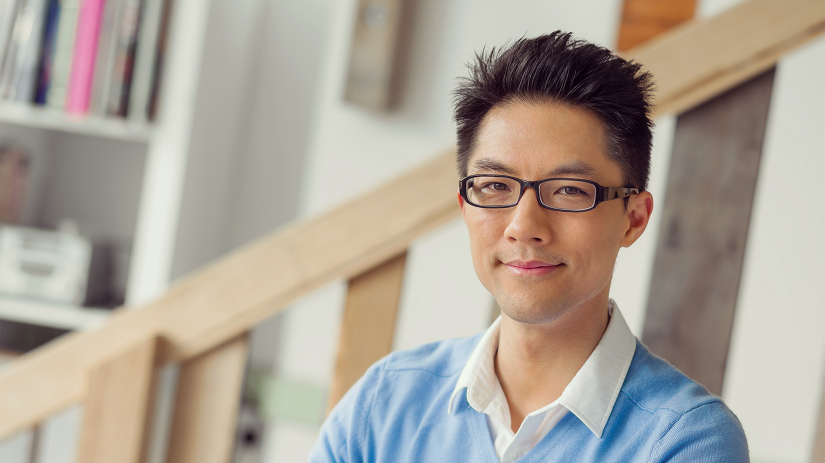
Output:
x=558 y=194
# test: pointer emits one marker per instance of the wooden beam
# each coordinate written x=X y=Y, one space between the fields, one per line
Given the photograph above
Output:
x=644 y=19
x=206 y=409
x=701 y=59
x=116 y=410
x=369 y=324
x=696 y=272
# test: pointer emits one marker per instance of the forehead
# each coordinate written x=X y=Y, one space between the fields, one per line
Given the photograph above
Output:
x=541 y=140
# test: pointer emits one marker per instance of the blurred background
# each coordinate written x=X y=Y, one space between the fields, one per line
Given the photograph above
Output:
x=217 y=122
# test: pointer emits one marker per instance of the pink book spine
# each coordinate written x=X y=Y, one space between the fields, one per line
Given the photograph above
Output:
x=83 y=61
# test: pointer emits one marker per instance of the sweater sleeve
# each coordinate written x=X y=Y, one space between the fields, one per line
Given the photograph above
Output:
x=344 y=431
x=710 y=433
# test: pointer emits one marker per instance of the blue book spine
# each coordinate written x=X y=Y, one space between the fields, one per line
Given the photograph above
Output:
x=46 y=67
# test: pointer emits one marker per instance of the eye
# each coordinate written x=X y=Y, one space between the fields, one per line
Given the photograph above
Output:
x=570 y=191
x=497 y=186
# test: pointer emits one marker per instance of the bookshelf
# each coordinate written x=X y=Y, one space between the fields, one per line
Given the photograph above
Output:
x=55 y=119
x=121 y=179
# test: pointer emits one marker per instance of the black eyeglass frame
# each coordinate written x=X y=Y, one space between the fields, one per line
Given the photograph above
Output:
x=603 y=193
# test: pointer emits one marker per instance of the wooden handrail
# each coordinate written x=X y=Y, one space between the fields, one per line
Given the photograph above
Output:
x=233 y=294
x=225 y=299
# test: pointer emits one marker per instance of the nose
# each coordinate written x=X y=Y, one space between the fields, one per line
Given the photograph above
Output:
x=529 y=223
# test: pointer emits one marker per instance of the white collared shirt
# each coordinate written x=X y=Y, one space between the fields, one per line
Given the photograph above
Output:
x=590 y=395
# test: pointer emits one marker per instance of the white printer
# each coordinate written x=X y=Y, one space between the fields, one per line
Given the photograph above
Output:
x=43 y=264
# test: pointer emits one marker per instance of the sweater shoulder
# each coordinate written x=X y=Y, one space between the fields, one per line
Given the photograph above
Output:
x=654 y=385
x=440 y=358
x=687 y=422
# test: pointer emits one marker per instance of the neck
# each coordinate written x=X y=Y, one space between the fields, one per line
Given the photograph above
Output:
x=535 y=363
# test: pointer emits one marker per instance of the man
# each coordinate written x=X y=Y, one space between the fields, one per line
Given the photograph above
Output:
x=554 y=141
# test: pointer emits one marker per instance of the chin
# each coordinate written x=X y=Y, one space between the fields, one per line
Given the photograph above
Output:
x=534 y=312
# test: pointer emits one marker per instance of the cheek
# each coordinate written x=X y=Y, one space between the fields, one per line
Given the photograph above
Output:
x=598 y=242
x=484 y=232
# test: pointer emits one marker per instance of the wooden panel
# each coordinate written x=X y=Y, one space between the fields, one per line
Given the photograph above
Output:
x=115 y=413
x=369 y=324
x=644 y=19
x=701 y=59
x=206 y=408
x=707 y=207
x=372 y=55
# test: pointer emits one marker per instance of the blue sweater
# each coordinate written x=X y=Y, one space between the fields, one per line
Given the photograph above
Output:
x=397 y=412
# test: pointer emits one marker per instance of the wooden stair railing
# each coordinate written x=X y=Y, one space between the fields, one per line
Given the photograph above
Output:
x=369 y=324
x=114 y=424
x=230 y=296
x=202 y=320
x=209 y=391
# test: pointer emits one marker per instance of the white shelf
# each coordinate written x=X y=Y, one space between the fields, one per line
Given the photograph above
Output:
x=54 y=119
x=51 y=314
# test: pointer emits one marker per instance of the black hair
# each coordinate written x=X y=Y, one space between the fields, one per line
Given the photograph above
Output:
x=559 y=69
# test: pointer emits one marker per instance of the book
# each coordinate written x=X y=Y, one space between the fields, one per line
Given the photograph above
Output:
x=157 y=69
x=46 y=59
x=117 y=99
x=83 y=60
x=63 y=48
x=106 y=49
x=150 y=21
x=8 y=11
x=18 y=76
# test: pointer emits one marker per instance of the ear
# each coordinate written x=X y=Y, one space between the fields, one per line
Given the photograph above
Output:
x=639 y=209
x=460 y=202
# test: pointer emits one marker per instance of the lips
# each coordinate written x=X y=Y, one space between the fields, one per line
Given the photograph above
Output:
x=533 y=267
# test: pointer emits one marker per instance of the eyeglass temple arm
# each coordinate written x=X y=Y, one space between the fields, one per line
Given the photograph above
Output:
x=613 y=193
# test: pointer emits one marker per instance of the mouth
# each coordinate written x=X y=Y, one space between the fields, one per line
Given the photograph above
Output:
x=532 y=268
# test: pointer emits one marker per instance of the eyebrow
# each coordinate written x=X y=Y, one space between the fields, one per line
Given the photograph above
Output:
x=489 y=165
x=576 y=168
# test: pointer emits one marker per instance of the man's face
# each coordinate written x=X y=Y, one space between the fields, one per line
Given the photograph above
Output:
x=539 y=264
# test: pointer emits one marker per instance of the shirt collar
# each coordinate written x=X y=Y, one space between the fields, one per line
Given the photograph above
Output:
x=590 y=395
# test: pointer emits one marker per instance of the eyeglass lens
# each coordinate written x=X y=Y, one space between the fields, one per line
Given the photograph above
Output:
x=569 y=195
